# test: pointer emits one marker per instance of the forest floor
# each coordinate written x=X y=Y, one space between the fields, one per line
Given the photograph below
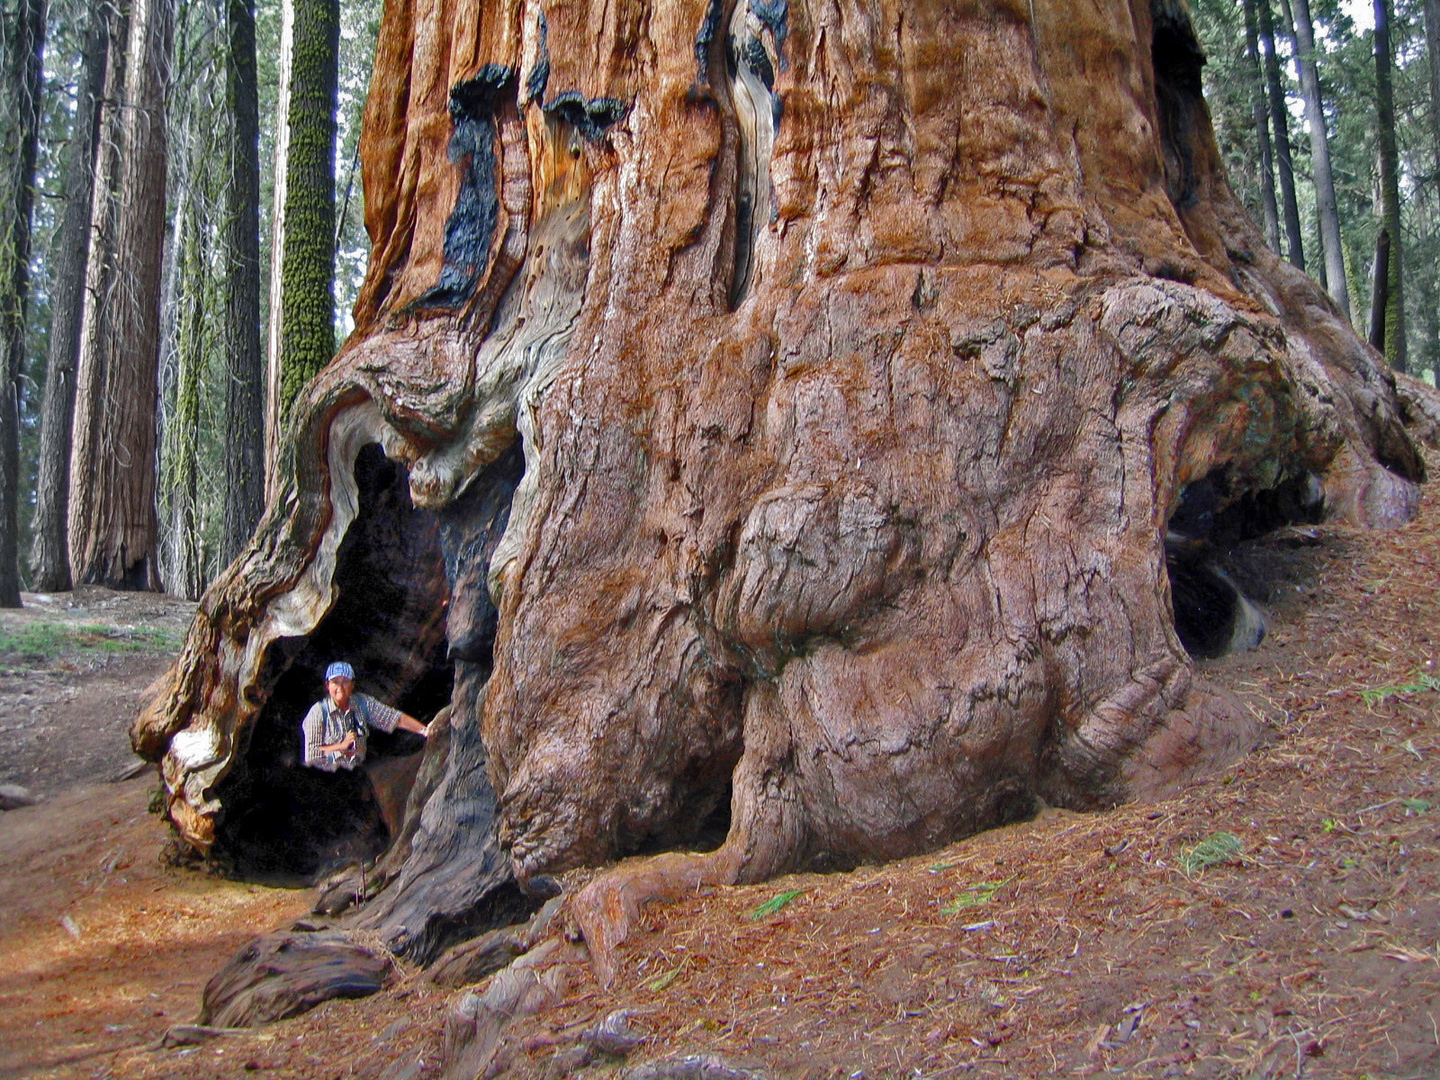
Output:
x=1279 y=919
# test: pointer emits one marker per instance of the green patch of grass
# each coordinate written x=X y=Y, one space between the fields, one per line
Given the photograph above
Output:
x=1417 y=685
x=47 y=640
x=1215 y=850
x=1416 y=806
x=775 y=903
x=980 y=893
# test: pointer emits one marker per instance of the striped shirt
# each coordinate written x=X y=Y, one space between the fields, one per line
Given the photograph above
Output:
x=325 y=725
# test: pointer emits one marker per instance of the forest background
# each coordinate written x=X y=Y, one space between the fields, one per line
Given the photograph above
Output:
x=155 y=390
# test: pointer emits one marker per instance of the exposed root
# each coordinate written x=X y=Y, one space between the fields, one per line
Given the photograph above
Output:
x=608 y=907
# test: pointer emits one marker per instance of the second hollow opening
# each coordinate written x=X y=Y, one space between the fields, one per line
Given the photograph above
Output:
x=1210 y=585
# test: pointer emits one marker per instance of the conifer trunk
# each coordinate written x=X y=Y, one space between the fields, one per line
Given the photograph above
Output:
x=95 y=324
x=763 y=428
x=274 y=410
x=302 y=298
x=1280 y=121
x=1269 y=209
x=113 y=526
x=1326 y=205
x=50 y=549
x=22 y=102
x=1396 y=346
x=245 y=387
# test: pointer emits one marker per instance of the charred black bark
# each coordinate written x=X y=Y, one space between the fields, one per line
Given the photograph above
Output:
x=455 y=880
x=471 y=228
x=751 y=77
x=1178 y=59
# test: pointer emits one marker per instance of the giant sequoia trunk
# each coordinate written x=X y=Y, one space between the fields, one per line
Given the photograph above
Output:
x=764 y=423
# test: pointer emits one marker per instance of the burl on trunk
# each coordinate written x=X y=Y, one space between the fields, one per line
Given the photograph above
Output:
x=764 y=420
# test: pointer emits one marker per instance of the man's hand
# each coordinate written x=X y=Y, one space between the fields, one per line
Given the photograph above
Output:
x=346 y=746
x=409 y=723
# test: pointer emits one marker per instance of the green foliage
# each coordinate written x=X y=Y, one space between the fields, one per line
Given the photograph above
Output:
x=1221 y=29
x=1216 y=850
x=193 y=307
x=975 y=895
x=1417 y=685
x=775 y=903
x=1346 y=64
x=46 y=640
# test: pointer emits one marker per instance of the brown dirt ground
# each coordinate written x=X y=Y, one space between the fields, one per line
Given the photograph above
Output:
x=64 y=717
x=1067 y=946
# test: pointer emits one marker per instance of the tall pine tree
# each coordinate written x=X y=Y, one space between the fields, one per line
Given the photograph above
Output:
x=24 y=52
x=113 y=526
x=302 y=294
x=1392 y=325
x=245 y=387
x=49 y=549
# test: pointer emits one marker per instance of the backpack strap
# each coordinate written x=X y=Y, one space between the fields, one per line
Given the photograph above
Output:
x=362 y=718
x=361 y=722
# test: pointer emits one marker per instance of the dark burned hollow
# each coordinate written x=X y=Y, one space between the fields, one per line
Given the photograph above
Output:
x=414 y=616
x=1177 y=59
x=1209 y=578
x=283 y=820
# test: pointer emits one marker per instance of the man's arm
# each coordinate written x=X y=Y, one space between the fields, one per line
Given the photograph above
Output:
x=344 y=746
x=388 y=718
x=409 y=723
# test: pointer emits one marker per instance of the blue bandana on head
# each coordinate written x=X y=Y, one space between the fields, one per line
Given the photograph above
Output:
x=339 y=670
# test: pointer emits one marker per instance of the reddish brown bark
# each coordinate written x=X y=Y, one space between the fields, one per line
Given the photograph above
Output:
x=49 y=546
x=112 y=473
x=852 y=418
